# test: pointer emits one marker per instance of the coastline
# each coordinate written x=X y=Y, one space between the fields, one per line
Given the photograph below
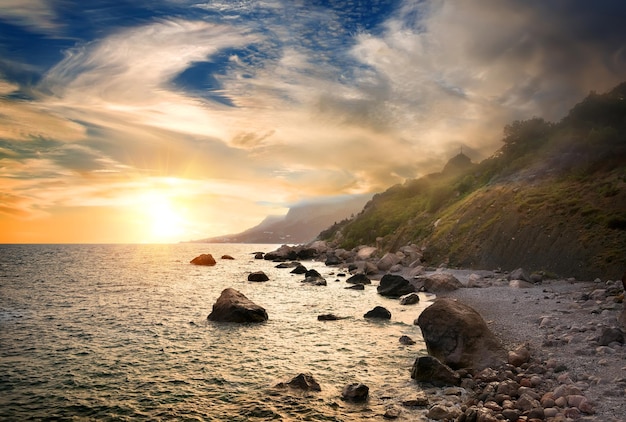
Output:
x=560 y=322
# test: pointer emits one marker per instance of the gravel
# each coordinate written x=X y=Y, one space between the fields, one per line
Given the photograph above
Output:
x=559 y=320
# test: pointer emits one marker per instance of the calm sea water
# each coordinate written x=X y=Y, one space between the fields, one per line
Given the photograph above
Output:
x=119 y=332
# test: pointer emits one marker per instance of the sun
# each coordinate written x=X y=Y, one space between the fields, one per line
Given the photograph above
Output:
x=165 y=219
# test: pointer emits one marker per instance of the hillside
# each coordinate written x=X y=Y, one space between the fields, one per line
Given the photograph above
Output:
x=301 y=224
x=551 y=199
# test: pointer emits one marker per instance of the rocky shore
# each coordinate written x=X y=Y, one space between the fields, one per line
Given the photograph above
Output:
x=564 y=337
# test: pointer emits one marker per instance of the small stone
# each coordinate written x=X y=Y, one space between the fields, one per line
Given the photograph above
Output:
x=406 y=340
x=392 y=413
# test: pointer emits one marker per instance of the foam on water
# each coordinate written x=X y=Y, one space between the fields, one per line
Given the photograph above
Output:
x=119 y=332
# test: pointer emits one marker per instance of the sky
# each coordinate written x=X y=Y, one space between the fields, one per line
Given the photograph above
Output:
x=149 y=121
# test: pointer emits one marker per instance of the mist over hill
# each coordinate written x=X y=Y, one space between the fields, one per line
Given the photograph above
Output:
x=551 y=199
x=301 y=224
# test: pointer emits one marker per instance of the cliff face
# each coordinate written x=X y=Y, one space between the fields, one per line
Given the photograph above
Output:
x=552 y=199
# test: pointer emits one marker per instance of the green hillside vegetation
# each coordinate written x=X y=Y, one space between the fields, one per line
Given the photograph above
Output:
x=552 y=199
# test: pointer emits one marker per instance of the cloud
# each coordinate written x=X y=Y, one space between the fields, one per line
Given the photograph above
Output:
x=36 y=15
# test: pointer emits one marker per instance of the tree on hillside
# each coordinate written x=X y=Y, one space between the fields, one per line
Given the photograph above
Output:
x=523 y=136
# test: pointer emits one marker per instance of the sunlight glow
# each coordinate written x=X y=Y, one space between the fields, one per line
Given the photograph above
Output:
x=165 y=218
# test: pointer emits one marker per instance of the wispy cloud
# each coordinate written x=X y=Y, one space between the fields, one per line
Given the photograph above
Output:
x=36 y=15
x=278 y=101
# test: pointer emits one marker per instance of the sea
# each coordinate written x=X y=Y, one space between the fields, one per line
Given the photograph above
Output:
x=120 y=333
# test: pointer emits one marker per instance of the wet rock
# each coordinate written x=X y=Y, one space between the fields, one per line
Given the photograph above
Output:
x=204 y=259
x=378 y=312
x=328 y=317
x=359 y=279
x=258 y=276
x=313 y=277
x=421 y=400
x=355 y=287
x=392 y=413
x=299 y=269
x=394 y=286
x=439 y=282
x=406 y=340
x=332 y=259
x=410 y=299
x=355 y=392
x=430 y=369
x=227 y=257
x=458 y=336
x=304 y=382
x=234 y=306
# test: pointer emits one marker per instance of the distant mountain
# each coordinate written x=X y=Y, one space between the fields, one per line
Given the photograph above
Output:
x=552 y=199
x=301 y=224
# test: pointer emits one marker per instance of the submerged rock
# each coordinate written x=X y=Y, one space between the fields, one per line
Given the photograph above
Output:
x=355 y=392
x=203 y=259
x=304 y=382
x=233 y=306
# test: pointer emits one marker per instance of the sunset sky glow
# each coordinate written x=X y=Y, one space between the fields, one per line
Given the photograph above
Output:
x=167 y=120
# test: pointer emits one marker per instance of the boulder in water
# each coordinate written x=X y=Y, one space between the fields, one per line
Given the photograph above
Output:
x=394 y=286
x=410 y=299
x=234 y=306
x=378 y=312
x=203 y=259
x=359 y=279
x=258 y=276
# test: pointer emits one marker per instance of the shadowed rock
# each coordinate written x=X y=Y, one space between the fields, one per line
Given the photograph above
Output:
x=233 y=306
x=378 y=312
x=410 y=299
x=459 y=337
x=258 y=276
x=394 y=286
x=430 y=369
x=359 y=279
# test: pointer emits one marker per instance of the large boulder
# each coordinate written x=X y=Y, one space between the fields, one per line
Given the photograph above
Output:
x=366 y=252
x=203 y=259
x=430 y=369
x=439 y=282
x=394 y=286
x=459 y=337
x=233 y=306
x=387 y=261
